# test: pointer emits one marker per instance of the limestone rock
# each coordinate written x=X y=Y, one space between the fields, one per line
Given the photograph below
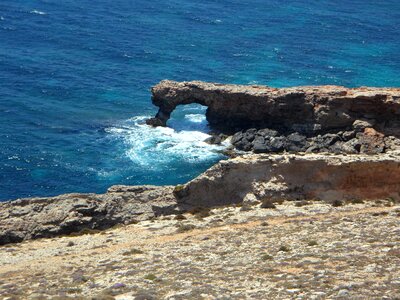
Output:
x=248 y=179
x=306 y=110
x=296 y=177
x=45 y=217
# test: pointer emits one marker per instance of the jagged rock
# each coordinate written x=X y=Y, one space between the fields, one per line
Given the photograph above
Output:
x=213 y=140
x=296 y=177
x=266 y=132
x=45 y=217
x=307 y=110
x=360 y=125
x=347 y=135
x=351 y=146
x=392 y=143
x=371 y=141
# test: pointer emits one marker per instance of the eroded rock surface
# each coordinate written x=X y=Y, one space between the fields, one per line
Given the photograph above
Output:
x=362 y=140
x=249 y=178
x=307 y=110
x=295 y=177
x=311 y=251
x=46 y=217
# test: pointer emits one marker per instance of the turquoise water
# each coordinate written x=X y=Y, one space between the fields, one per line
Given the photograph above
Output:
x=75 y=78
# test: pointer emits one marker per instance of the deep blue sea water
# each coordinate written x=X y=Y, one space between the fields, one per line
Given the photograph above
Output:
x=75 y=78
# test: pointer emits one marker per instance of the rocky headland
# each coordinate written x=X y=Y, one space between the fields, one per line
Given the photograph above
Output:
x=307 y=207
x=309 y=118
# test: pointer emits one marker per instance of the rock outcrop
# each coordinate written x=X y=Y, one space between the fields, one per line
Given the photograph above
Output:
x=361 y=140
x=256 y=177
x=308 y=110
x=46 y=217
x=295 y=177
x=302 y=119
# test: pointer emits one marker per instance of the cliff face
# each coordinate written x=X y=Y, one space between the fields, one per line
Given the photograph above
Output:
x=33 y=218
x=250 y=178
x=307 y=110
x=295 y=177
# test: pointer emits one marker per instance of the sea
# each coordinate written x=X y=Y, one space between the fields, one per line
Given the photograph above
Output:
x=75 y=79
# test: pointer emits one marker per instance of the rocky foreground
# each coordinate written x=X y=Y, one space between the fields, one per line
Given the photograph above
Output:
x=297 y=250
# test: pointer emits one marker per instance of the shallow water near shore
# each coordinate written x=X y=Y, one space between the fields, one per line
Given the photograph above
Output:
x=75 y=79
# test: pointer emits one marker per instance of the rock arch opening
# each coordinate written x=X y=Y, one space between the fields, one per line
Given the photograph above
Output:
x=189 y=117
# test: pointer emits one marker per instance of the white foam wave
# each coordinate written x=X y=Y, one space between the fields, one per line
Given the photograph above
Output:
x=196 y=118
x=37 y=12
x=155 y=148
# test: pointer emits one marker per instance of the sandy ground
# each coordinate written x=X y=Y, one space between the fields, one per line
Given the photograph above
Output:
x=297 y=251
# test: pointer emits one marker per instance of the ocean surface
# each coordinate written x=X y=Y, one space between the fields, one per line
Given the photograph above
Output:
x=75 y=78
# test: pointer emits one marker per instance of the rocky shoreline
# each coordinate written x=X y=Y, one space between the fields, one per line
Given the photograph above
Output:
x=326 y=143
x=307 y=207
x=299 y=119
x=258 y=178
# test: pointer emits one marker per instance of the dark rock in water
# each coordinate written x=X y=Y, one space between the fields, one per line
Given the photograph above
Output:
x=213 y=140
x=156 y=122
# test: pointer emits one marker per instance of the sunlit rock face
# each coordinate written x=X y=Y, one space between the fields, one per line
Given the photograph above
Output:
x=295 y=177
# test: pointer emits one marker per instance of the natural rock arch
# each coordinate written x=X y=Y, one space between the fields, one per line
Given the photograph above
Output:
x=309 y=109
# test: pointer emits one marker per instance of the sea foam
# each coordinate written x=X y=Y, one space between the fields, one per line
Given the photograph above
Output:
x=157 y=147
x=37 y=12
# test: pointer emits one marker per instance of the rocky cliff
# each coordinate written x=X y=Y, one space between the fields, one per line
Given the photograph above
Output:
x=295 y=177
x=33 y=218
x=298 y=119
x=308 y=109
x=301 y=119
x=256 y=178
